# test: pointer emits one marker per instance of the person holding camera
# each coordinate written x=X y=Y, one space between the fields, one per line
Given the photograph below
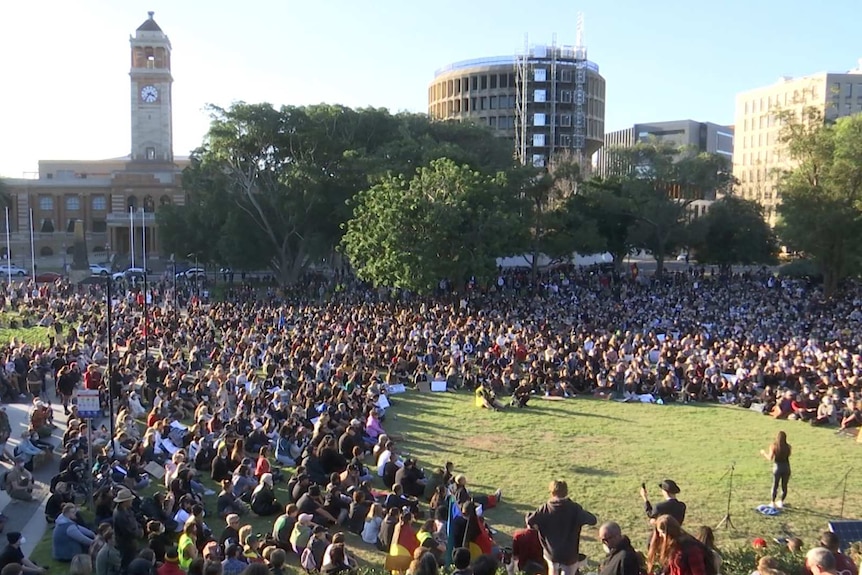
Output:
x=670 y=506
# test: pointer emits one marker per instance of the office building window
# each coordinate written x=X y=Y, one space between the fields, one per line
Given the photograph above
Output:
x=566 y=120
x=539 y=96
x=504 y=80
x=493 y=81
x=565 y=140
x=538 y=139
x=540 y=74
x=538 y=161
x=566 y=96
x=73 y=203
x=538 y=119
x=565 y=75
x=99 y=203
x=474 y=82
x=493 y=102
x=484 y=82
x=492 y=121
x=46 y=203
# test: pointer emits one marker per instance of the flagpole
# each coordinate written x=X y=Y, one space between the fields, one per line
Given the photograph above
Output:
x=132 y=234
x=8 y=248
x=32 y=246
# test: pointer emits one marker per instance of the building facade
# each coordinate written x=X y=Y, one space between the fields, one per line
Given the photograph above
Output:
x=701 y=136
x=115 y=199
x=548 y=101
x=758 y=155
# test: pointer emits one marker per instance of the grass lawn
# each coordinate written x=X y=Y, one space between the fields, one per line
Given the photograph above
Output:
x=32 y=335
x=605 y=450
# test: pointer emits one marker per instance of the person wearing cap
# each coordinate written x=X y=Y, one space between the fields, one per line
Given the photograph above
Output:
x=670 y=506
x=126 y=528
x=69 y=538
x=12 y=554
x=171 y=566
x=19 y=481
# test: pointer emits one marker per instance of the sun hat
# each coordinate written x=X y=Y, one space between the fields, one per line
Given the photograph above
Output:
x=123 y=496
x=670 y=486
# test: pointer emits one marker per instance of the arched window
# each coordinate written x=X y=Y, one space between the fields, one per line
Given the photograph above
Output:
x=46 y=251
x=149 y=204
x=165 y=200
x=131 y=203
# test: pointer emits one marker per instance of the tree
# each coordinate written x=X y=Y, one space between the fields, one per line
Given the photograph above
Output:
x=733 y=231
x=446 y=222
x=656 y=182
x=821 y=196
x=269 y=187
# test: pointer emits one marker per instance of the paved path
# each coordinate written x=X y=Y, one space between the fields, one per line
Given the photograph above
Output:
x=28 y=517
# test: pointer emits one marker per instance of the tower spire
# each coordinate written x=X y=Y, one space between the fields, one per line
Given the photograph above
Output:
x=151 y=14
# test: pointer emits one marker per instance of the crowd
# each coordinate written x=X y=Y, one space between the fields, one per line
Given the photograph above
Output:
x=291 y=387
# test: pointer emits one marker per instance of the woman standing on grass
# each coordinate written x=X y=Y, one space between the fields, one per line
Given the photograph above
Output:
x=779 y=454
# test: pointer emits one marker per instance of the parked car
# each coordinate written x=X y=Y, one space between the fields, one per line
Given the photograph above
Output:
x=192 y=273
x=133 y=274
x=48 y=277
x=99 y=270
x=7 y=269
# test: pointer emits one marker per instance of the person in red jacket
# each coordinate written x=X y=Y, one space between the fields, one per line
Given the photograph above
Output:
x=674 y=551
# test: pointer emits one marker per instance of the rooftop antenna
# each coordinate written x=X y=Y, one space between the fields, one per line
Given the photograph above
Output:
x=151 y=14
x=579 y=35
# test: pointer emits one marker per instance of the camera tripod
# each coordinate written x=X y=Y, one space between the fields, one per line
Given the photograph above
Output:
x=726 y=521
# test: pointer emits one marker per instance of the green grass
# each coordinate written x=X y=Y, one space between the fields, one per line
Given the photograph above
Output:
x=604 y=450
x=31 y=335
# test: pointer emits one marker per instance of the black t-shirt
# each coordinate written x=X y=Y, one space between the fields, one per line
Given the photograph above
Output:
x=673 y=507
x=11 y=554
x=307 y=504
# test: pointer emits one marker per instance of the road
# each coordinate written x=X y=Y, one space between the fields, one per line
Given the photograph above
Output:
x=29 y=517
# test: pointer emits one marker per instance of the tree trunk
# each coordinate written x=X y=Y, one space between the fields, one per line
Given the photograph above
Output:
x=659 y=264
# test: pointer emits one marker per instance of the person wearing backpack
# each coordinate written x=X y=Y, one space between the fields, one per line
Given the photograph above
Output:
x=675 y=552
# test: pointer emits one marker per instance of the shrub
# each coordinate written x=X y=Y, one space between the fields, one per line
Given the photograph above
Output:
x=743 y=560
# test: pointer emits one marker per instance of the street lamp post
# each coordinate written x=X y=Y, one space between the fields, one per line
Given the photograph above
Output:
x=110 y=352
x=174 y=276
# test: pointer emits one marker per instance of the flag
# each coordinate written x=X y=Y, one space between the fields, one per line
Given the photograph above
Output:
x=454 y=512
x=404 y=543
x=482 y=544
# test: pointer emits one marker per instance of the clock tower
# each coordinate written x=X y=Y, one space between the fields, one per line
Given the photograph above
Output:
x=152 y=126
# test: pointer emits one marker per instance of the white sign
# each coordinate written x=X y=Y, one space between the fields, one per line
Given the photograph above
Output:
x=88 y=403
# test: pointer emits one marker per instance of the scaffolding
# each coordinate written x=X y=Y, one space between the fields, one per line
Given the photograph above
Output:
x=579 y=139
x=522 y=78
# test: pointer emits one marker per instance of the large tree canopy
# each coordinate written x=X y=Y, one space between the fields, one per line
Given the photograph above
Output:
x=446 y=222
x=648 y=193
x=269 y=187
x=821 y=197
x=734 y=231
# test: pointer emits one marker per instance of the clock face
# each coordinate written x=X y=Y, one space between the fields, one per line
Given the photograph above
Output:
x=149 y=94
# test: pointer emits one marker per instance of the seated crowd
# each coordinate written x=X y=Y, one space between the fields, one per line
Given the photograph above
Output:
x=259 y=391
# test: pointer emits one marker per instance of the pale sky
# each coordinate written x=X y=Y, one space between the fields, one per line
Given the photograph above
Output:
x=65 y=86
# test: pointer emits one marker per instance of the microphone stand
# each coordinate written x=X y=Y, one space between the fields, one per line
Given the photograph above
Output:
x=726 y=521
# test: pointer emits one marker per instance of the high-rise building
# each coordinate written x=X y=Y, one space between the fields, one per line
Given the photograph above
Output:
x=758 y=154
x=115 y=199
x=700 y=136
x=549 y=100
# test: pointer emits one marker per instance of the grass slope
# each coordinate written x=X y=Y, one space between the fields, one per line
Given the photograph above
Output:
x=31 y=335
x=605 y=450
